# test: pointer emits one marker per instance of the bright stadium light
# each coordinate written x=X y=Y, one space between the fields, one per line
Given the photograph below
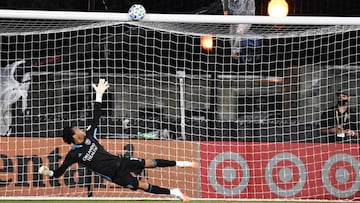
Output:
x=278 y=8
x=207 y=42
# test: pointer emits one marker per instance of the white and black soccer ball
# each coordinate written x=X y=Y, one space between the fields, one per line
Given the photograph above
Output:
x=137 y=12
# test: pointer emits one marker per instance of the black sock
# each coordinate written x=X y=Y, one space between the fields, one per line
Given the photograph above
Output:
x=163 y=163
x=157 y=190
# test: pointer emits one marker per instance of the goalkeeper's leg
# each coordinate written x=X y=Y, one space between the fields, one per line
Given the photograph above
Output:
x=160 y=190
x=129 y=180
x=153 y=163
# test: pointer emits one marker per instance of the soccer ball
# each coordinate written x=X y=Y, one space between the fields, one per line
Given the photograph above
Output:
x=137 y=12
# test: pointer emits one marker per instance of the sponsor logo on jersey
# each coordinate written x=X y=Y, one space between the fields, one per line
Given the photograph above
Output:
x=90 y=153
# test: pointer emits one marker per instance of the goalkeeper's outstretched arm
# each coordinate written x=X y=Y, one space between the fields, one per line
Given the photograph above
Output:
x=100 y=89
x=68 y=161
x=57 y=173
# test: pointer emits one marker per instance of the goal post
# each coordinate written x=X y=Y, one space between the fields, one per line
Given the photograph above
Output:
x=252 y=120
x=178 y=18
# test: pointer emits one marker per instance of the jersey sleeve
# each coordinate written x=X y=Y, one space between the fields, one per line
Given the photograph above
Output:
x=66 y=164
x=96 y=118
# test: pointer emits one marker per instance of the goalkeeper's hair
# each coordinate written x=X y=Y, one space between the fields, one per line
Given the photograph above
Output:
x=68 y=135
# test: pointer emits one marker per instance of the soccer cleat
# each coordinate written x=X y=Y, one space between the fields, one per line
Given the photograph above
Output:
x=194 y=164
x=187 y=164
x=178 y=194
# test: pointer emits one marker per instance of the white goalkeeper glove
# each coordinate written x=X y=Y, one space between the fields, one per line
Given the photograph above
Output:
x=100 y=89
x=46 y=171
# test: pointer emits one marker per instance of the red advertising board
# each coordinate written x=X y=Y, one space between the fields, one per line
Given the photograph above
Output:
x=20 y=159
x=279 y=170
x=228 y=170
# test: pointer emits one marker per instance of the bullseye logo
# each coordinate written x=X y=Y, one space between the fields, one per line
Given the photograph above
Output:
x=280 y=170
x=340 y=175
x=285 y=174
x=229 y=173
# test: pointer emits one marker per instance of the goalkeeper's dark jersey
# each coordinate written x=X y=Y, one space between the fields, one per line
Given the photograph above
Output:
x=90 y=153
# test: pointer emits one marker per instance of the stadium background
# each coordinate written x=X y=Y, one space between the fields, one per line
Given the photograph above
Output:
x=291 y=131
x=284 y=127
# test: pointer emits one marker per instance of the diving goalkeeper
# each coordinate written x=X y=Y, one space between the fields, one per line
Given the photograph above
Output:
x=120 y=170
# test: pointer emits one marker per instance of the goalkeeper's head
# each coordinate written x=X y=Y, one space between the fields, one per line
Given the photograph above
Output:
x=68 y=133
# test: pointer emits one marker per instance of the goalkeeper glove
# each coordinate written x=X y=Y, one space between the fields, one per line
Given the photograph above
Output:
x=46 y=171
x=102 y=86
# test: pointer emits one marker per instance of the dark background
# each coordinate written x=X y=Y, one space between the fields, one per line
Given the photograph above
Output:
x=48 y=122
x=296 y=7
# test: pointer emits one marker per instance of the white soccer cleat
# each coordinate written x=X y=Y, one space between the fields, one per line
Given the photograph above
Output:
x=178 y=194
x=194 y=164
x=187 y=164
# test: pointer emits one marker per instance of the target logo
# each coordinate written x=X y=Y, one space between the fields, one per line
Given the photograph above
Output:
x=229 y=173
x=285 y=174
x=340 y=175
x=280 y=170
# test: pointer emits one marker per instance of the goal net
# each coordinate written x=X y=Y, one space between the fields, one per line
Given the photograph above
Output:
x=250 y=109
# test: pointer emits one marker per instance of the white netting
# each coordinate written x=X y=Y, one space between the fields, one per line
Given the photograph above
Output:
x=256 y=30
x=252 y=121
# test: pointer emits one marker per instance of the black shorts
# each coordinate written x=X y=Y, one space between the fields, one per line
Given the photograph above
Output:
x=123 y=175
